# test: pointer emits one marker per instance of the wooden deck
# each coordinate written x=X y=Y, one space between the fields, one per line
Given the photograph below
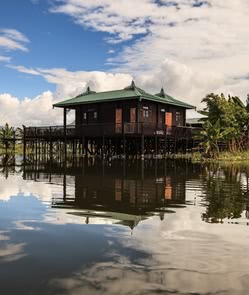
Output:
x=108 y=130
x=107 y=140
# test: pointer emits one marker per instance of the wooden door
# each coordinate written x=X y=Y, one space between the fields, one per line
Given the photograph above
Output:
x=132 y=115
x=118 y=121
x=169 y=122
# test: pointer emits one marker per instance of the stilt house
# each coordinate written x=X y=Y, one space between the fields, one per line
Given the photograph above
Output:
x=130 y=110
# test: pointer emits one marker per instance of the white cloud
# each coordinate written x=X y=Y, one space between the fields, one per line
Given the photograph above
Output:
x=177 y=79
x=14 y=35
x=11 y=39
x=23 y=69
x=38 y=111
x=181 y=81
x=5 y=58
x=207 y=39
x=189 y=47
x=34 y=111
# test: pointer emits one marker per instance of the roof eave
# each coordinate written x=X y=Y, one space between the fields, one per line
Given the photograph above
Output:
x=59 y=105
x=160 y=99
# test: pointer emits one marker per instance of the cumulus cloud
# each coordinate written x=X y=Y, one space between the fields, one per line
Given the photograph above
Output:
x=178 y=80
x=38 y=110
x=181 y=81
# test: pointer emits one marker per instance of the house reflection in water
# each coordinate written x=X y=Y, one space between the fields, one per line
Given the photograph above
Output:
x=125 y=192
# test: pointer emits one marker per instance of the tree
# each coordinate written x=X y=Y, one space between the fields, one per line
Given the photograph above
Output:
x=233 y=115
x=210 y=137
x=7 y=136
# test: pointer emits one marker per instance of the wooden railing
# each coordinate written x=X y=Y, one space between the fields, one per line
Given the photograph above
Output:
x=97 y=130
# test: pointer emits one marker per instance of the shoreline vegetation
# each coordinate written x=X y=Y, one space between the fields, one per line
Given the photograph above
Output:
x=195 y=157
x=225 y=132
x=223 y=157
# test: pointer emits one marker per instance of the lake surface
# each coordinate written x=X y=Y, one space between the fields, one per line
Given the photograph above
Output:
x=124 y=227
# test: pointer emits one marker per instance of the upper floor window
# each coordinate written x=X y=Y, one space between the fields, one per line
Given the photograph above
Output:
x=84 y=116
x=95 y=115
x=146 y=113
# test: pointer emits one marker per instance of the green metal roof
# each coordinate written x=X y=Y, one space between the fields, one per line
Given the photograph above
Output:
x=130 y=92
x=171 y=100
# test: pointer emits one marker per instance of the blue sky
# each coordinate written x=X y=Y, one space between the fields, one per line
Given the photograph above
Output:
x=54 y=49
x=55 y=41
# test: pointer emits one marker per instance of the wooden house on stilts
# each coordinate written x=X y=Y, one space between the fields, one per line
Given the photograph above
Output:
x=129 y=121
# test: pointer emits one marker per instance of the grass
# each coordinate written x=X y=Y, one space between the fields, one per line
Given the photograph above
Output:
x=225 y=157
x=234 y=156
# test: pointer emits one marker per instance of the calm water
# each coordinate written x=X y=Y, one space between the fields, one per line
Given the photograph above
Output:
x=124 y=228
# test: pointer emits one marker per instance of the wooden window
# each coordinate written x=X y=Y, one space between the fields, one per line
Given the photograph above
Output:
x=146 y=113
x=84 y=116
x=95 y=115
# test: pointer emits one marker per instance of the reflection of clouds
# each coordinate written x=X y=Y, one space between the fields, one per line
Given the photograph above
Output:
x=179 y=255
x=9 y=251
x=128 y=278
x=3 y=236
x=15 y=185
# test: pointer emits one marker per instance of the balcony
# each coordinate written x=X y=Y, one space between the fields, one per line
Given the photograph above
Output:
x=108 y=129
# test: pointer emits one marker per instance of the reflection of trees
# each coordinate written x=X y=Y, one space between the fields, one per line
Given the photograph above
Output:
x=7 y=165
x=225 y=194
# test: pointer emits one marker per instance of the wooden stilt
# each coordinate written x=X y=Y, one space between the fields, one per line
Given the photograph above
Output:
x=24 y=144
x=142 y=147
x=65 y=130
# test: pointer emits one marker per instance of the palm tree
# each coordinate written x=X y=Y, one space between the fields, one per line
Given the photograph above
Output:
x=210 y=137
x=7 y=136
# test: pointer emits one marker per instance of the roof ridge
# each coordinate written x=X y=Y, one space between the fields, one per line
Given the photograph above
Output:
x=166 y=96
x=137 y=91
x=128 y=93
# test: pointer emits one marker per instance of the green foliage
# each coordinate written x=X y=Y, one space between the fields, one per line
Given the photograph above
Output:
x=7 y=136
x=227 y=123
x=211 y=135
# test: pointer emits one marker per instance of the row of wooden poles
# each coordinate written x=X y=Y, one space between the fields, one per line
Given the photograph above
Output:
x=106 y=146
